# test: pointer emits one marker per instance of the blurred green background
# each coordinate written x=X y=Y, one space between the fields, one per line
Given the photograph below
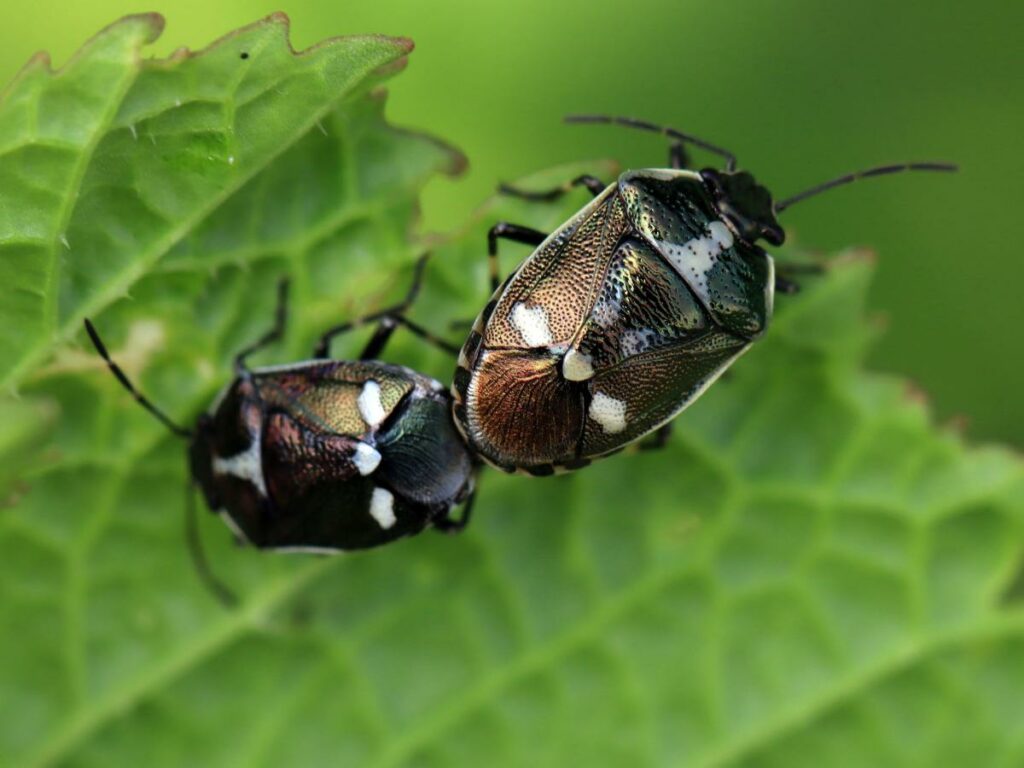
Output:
x=800 y=91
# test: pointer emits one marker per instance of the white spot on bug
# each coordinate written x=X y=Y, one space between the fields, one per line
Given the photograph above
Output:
x=370 y=406
x=247 y=465
x=635 y=341
x=577 y=366
x=177 y=102
x=532 y=325
x=366 y=458
x=695 y=258
x=605 y=313
x=608 y=412
x=382 y=507
x=231 y=159
x=64 y=241
x=721 y=234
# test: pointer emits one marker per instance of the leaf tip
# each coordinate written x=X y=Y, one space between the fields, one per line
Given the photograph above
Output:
x=149 y=27
x=153 y=23
x=279 y=17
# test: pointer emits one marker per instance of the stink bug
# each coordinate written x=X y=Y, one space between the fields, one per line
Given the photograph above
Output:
x=626 y=313
x=325 y=455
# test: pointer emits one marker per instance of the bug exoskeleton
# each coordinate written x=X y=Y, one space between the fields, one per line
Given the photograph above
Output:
x=621 y=317
x=331 y=455
x=326 y=455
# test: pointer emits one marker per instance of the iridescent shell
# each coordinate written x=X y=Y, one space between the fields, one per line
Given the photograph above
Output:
x=617 y=322
x=331 y=455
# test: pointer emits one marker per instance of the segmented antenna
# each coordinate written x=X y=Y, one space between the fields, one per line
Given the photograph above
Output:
x=882 y=170
x=139 y=397
x=643 y=125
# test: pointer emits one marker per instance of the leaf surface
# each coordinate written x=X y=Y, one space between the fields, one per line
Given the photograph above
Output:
x=811 y=573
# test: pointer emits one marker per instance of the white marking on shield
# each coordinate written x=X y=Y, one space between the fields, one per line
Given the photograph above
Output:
x=247 y=465
x=370 y=406
x=382 y=507
x=532 y=325
x=366 y=458
x=608 y=412
x=577 y=366
x=695 y=258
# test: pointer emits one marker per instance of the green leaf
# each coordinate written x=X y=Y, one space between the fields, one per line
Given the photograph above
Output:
x=109 y=163
x=811 y=573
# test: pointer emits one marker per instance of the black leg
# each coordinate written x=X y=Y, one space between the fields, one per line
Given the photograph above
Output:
x=594 y=184
x=216 y=587
x=375 y=346
x=783 y=285
x=449 y=524
x=274 y=334
x=657 y=441
x=389 y=318
x=784 y=282
x=386 y=327
x=513 y=232
x=677 y=157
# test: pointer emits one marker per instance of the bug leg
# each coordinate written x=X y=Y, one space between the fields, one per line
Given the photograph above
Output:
x=447 y=524
x=657 y=441
x=388 y=319
x=215 y=586
x=274 y=334
x=784 y=282
x=784 y=285
x=387 y=326
x=677 y=157
x=594 y=184
x=513 y=232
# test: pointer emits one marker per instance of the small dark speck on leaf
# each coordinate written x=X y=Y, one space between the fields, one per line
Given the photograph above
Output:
x=245 y=54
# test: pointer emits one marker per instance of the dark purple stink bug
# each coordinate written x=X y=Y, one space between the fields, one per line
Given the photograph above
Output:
x=325 y=455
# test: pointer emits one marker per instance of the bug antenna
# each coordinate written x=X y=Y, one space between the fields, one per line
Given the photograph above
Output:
x=643 y=125
x=881 y=170
x=126 y=383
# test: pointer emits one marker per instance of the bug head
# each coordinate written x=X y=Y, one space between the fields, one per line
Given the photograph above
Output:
x=746 y=204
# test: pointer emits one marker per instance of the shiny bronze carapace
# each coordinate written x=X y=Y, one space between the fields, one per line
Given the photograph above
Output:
x=624 y=315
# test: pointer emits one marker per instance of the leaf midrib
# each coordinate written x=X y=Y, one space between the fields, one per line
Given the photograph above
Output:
x=119 y=284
